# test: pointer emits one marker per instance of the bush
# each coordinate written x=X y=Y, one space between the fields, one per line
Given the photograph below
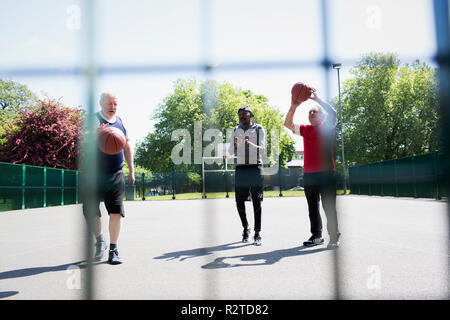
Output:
x=45 y=135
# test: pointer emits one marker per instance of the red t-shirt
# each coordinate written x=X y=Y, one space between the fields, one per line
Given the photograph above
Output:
x=318 y=144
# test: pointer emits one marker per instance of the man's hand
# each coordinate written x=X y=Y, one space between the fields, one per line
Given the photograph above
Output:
x=247 y=143
x=295 y=104
x=238 y=142
x=103 y=127
x=131 y=179
x=315 y=97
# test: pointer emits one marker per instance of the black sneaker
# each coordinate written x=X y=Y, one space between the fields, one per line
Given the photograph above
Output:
x=245 y=234
x=313 y=241
x=334 y=243
x=114 y=257
x=100 y=248
x=257 y=240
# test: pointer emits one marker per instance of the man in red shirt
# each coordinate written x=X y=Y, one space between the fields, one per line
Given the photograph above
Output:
x=319 y=167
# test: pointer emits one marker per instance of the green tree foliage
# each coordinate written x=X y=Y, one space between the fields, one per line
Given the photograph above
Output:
x=186 y=104
x=389 y=110
x=178 y=110
x=13 y=98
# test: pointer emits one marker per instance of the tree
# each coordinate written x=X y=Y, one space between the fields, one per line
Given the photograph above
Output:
x=213 y=104
x=178 y=110
x=13 y=98
x=389 y=110
x=46 y=135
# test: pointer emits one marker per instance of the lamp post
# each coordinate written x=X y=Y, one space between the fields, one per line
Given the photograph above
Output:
x=338 y=66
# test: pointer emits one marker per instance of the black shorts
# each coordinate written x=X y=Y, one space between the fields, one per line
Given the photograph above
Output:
x=248 y=183
x=111 y=190
x=320 y=179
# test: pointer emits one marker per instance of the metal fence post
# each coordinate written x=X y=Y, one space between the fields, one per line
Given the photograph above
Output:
x=280 y=175
x=173 y=181
x=76 y=187
x=226 y=183
x=414 y=175
x=203 y=180
x=143 y=186
x=436 y=175
x=44 y=200
x=23 y=185
x=381 y=178
x=395 y=177
x=62 y=187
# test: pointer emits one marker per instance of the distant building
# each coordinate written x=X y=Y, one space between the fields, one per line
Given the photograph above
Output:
x=297 y=160
x=294 y=175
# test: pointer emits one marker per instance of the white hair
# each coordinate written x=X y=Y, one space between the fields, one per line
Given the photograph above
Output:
x=319 y=108
x=104 y=95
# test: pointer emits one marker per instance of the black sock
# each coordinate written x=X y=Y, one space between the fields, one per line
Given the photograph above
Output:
x=112 y=246
x=100 y=238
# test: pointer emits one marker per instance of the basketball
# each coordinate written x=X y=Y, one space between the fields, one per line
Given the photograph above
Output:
x=300 y=92
x=111 y=140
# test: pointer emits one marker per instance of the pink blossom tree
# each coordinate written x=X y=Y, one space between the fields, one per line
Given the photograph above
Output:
x=45 y=135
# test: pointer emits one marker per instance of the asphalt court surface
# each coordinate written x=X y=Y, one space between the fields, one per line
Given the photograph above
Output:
x=392 y=248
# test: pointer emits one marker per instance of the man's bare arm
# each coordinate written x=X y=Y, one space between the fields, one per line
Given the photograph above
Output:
x=289 y=120
x=129 y=159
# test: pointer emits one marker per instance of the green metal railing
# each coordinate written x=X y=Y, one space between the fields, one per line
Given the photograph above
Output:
x=24 y=186
x=417 y=176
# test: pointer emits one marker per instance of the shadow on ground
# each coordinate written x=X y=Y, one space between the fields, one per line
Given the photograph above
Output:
x=6 y=294
x=268 y=258
x=19 y=273
x=199 y=252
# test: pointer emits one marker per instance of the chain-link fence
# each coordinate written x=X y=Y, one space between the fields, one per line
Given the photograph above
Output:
x=27 y=187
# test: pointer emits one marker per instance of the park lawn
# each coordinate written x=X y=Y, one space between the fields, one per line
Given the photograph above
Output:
x=220 y=195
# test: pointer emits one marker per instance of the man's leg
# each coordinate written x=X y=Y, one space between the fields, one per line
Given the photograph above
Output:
x=100 y=245
x=256 y=200
x=257 y=212
x=97 y=221
x=98 y=227
x=114 y=205
x=115 y=223
x=312 y=197
x=240 y=205
x=256 y=191
x=328 y=194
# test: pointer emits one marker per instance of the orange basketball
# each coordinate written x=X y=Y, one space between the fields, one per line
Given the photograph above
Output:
x=300 y=92
x=111 y=140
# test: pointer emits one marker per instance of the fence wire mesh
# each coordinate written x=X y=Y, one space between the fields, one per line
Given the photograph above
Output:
x=420 y=176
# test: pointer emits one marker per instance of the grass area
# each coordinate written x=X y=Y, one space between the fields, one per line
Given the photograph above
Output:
x=220 y=195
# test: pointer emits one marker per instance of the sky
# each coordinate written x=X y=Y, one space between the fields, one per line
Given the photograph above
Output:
x=52 y=34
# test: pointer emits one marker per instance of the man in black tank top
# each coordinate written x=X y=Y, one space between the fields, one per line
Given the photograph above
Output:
x=111 y=183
